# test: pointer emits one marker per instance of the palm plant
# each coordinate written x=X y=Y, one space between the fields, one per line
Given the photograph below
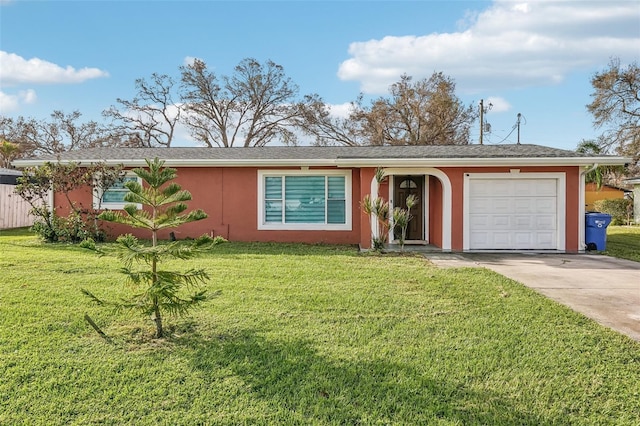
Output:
x=379 y=209
x=600 y=174
x=402 y=217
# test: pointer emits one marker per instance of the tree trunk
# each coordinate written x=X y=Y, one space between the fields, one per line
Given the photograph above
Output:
x=158 y=319
x=156 y=306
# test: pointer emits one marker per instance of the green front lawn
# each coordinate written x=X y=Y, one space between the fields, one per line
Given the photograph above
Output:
x=304 y=335
x=623 y=242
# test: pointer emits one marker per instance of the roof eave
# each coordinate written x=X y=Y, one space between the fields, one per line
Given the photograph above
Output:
x=189 y=162
x=355 y=162
x=483 y=162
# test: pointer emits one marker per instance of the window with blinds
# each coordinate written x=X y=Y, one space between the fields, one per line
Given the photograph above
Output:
x=304 y=199
x=116 y=193
x=112 y=197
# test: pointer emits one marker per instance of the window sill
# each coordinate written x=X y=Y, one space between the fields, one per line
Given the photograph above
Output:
x=115 y=206
x=304 y=227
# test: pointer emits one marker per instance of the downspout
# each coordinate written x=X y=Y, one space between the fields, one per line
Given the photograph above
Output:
x=581 y=210
x=375 y=230
x=50 y=200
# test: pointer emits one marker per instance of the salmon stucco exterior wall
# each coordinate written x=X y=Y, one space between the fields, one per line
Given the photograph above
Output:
x=366 y=175
x=229 y=197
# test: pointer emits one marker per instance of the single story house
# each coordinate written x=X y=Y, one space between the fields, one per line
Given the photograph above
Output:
x=9 y=176
x=605 y=192
x=471 y=197
x=635 y=181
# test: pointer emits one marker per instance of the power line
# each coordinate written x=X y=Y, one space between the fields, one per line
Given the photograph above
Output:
x=515 y=126
x=505 y=138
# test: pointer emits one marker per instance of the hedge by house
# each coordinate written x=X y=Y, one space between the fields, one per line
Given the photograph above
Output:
x=620 y=209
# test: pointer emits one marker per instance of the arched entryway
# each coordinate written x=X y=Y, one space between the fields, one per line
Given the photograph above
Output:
x=404 y=181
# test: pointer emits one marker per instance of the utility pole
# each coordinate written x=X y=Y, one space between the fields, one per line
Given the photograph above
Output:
x=518 y=124
x=483 y=110
x=481 y=119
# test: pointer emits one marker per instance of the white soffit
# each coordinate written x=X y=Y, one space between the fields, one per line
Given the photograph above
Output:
x=357 y=162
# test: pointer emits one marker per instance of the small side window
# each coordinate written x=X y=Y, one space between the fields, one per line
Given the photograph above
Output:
x=112 y=197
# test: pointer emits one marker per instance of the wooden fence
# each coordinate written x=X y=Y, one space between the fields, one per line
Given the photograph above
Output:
x=14 y=211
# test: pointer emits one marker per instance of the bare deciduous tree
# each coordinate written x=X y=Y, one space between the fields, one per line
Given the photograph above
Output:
x=426 y=112
x=150 y=118
x=616 y=108
x=253 y=107
x=316 y=119
x=62 y=133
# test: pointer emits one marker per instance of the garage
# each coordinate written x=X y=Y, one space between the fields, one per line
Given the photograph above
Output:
x=514 y=211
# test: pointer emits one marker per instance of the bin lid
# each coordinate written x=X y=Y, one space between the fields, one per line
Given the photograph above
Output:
x=598 y=214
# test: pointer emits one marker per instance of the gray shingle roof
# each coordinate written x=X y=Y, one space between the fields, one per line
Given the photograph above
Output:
x=314 y=152
x=331 y=155
x=10 y=172
x=9 y=176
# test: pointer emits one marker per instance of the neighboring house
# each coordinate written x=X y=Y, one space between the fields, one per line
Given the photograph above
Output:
x=635 y=181
x=605 y=192
x=14 y=211
x=472 y=197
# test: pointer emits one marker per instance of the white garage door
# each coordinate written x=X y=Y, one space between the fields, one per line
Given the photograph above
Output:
x=512 y=214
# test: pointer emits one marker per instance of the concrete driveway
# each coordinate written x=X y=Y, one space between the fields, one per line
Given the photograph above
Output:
x=602 y=288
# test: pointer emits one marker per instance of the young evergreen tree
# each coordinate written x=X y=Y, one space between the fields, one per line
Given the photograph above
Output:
x=160 y=290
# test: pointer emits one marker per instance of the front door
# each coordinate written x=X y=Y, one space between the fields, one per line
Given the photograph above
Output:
x=405 y=186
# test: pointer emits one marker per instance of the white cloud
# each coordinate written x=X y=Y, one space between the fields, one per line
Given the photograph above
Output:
x=10 y=103
x=340 y=110
x=182 y=137
x=28 y=96
x=510 y=45
x=14 y=69
x=498 y=104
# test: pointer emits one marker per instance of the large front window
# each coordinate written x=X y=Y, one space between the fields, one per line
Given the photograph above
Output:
x=305 y=200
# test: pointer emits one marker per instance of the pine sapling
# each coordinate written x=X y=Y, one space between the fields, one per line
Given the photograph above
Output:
x=160 y=291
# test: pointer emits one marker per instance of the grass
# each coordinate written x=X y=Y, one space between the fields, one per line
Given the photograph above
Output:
x=304 y=335
x=623 y=242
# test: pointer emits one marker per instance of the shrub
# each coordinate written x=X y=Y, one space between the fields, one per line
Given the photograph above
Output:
x=74 y=228
x=620 y=209
x=36 y=184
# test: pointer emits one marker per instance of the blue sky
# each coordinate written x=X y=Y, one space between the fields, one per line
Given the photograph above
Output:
x=534 y=58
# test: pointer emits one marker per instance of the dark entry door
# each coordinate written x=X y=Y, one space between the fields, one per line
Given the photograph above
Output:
x=405 y=186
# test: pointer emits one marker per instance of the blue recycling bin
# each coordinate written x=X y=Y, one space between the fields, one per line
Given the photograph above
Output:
x=596 y=230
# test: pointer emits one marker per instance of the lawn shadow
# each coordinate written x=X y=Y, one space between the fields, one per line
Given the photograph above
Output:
x=293 y=377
